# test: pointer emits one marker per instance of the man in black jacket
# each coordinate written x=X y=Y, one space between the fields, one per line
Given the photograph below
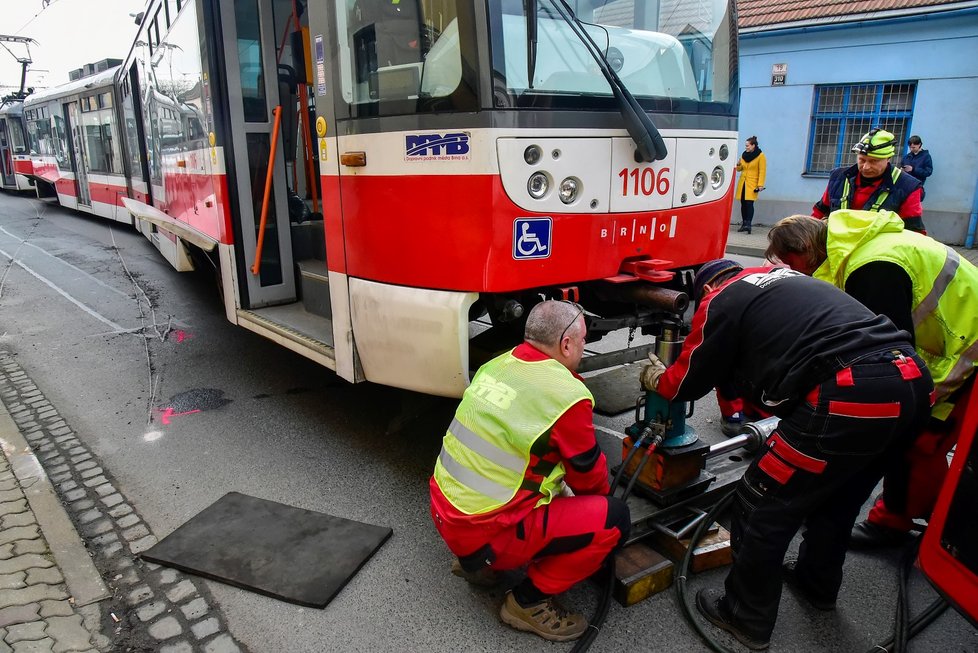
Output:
x=918 y=162
x=850 y=392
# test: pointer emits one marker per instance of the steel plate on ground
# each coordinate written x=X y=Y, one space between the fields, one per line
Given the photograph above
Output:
x=616 y=390
x=288 y=553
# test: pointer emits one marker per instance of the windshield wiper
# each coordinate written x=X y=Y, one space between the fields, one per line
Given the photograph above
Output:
x=647 y=138
x=530 y=8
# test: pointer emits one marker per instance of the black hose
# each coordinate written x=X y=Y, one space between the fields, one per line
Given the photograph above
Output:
x=636 y=446
x=905 y=629
x=604 y=601
x=710 y=517
x=901 y=626
x=638 y=471
x=918 y=624
x=601 y=611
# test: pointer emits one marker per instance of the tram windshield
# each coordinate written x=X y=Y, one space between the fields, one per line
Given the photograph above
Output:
x=671 y=54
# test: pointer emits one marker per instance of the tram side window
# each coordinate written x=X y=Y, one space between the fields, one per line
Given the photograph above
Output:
x=129 y=127
x=399 y=50
x=35 y=146
x=17 y=139
x=113 y=159
x=41 y=137
x=250 y=60
x=94 y=146
x=61 y=143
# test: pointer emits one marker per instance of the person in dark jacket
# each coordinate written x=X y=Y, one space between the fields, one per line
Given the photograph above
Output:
x=918 y=162
x=850 y=392
x=873 y=184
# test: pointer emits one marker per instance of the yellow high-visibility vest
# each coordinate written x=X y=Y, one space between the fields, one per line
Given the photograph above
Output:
x=945 y=288
x=509 y=405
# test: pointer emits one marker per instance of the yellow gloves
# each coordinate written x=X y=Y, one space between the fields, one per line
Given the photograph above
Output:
x=652 y=372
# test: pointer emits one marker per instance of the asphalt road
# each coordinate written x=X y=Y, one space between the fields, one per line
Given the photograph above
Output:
x=116 y=340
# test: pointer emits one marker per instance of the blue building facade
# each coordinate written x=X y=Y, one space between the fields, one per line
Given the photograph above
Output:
x=810 y=88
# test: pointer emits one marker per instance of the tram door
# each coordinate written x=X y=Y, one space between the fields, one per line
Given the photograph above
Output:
x=252 y=82
x=6 y=155
x=79 y=160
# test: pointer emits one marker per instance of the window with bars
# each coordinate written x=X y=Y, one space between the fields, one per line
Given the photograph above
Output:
x=842 y=114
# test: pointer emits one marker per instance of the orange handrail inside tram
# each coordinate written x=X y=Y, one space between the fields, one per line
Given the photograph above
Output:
x=256 y=267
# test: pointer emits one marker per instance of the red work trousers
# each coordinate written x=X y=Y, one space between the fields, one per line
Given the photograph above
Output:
x=563 y=542
x=910 y=489
x=734 y=407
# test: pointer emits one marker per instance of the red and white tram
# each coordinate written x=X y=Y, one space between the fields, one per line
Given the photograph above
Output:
x=370 y=177
x=75 y=145
x=15 y=160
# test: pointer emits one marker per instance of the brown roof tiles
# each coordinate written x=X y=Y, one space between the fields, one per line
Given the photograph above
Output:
x=769 y=13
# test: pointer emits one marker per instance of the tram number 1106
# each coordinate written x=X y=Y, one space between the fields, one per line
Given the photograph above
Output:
x=644 y=181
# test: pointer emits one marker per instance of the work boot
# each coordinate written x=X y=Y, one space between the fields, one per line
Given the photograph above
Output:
x=485 y=577
x=711 y=605
x=731 y=425
x=548 y=619
x=867 y=535
x=743 y=228
x=791 y=579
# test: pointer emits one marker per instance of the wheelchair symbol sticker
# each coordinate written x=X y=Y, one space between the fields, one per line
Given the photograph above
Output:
x=531 y=238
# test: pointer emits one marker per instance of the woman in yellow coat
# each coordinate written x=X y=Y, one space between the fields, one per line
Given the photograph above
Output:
x=753 y=169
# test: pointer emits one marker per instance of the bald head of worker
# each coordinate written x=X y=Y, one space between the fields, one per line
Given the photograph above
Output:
x=557 y=328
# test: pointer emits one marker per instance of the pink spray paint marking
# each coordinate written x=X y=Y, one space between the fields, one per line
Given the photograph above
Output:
x=166 y=414
x=181 y=335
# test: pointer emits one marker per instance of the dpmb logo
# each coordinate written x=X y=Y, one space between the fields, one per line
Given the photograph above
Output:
x=531 y=238
x=436 y=147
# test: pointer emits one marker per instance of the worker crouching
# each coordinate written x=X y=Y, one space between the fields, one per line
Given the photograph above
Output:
x=521 y=480
x=850 y=392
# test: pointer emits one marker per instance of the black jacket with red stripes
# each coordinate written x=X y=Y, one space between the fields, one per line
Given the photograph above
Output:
x=774 y=334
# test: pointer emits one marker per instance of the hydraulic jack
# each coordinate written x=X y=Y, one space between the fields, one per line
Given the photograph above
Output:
x=666 y=462
x=672 y=466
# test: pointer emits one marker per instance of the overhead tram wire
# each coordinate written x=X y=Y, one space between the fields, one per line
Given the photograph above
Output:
x=44 y=5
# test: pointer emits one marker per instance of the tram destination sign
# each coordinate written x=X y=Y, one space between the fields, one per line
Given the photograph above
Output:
x=779 y=74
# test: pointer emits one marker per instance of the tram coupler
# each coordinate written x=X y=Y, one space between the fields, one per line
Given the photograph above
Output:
x=676 y=466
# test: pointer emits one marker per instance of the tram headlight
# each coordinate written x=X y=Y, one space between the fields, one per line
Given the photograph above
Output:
x=538 y=185
x=532 y=155
x=699 y=183
x=569 y=190
x=716 y=179
x=724 y=152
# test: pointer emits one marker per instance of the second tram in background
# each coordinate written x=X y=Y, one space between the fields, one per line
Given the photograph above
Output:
x=16 y=171
x=388 y=187
x=75 y=146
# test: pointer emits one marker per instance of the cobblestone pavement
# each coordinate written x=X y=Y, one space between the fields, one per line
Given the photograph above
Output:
x=149 y=608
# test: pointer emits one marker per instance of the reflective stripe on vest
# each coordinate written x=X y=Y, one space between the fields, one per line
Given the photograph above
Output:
x=474 y=480
x=485 y=453
x=929 y=303
x=846 y=187
x=962 y=370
